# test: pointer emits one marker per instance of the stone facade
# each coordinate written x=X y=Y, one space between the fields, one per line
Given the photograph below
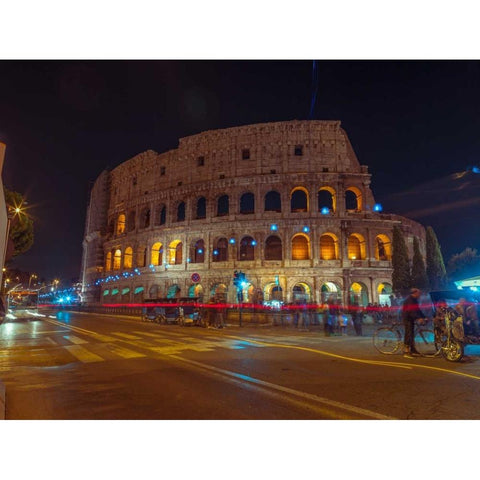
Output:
x=287 y=203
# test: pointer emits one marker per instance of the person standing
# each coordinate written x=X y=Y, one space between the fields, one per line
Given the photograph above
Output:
x=410 y=313
x=357 y=319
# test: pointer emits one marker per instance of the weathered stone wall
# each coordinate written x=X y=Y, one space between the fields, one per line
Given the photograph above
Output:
x=214 y=163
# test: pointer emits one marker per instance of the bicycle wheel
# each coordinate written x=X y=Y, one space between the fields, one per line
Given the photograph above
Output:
x=425 y=342
x=452 y=350
x=386 y=340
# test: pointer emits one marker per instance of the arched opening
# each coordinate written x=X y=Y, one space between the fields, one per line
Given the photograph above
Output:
x=358 y=294
x=247 y=203
x=128 y=258
x=196 y=291
x=301 y=293
x=145 y=217
x=108 y=261
x=201 y=211
x=181 y=212
x=353 y=199
x=273 y=248
x=157 y=254
x=299 y=200
x=160 y=215
x=356 y=247
x=300 y=247
x=117 y=259
x=218 y=292
x=153 y=291
x=329 y=290
x=383 y=248
x=273 y=202
x=141 y=256
x=247 y=249
x=222 y=206
x=328 y=247
x=220 y=250
x=175 y=253
x=198 y=253
x=273 y=293
x=327 y=199
x=131 y=221
x=385 y=292
x=121 y=224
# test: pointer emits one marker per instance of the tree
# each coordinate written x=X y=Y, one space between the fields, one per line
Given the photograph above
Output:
x=464 y=264
x=21 y=225
x=401 y=281
x=419 y=274
x=437 y=276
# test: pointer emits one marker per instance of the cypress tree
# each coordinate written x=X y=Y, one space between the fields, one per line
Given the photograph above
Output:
x=437 y=276
x=400 y=263
x=419 y=274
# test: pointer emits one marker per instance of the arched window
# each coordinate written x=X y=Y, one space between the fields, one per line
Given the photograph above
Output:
x=326 y=199
x=117 y=259
x=175 y=253
x=201 y=211
x=247 y=203
x=353 y=199
x=108 y=261
x=181 y=212
x=356 y=247
x=222 y=206
x=299 y=200
x=273 y=248
x=220 y=250
x=300 y=247
x=156 y=254
x=145 y=217
x=247 y=248
x=121 y=224
x=358 y=294
x=328 y=247
x=198 y=254
x=273 y=202
x=128 y=258
x=141 y=256
x=383 y=248
x=160 y=215
x=131 y=221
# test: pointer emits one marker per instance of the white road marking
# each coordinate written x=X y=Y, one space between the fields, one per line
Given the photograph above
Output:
x=123 y=352
x=74 y=339
x=82 y=354
x=303 y=395
x=125 y=335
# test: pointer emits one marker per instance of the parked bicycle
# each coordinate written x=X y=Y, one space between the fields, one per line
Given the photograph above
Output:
x=388 y=339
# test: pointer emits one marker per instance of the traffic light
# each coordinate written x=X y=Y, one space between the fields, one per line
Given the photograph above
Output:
x=239 y=279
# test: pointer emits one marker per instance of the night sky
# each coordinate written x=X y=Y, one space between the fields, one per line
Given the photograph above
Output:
x=415 y=124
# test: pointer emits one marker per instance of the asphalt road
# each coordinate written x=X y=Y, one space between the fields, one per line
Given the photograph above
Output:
x=85 y=366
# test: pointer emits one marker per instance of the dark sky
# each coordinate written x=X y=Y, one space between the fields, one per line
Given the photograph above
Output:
x=414 y=123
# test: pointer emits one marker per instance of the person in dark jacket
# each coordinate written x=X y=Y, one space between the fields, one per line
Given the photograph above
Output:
x=410 y=313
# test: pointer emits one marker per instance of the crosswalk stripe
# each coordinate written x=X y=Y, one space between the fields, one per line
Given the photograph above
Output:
x=124 y=352
x=126 y=335
x=74 y=339
x=148 y=334
x=83 y=354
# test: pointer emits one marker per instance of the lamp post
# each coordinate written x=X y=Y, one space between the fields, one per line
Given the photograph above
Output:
x=30 y=280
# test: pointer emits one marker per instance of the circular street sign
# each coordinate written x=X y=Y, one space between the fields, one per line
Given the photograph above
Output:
x=195 y=277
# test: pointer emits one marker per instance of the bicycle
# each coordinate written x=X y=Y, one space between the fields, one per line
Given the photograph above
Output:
x=389 y=339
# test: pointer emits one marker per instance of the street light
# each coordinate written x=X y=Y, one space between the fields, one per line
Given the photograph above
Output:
x=30 y=280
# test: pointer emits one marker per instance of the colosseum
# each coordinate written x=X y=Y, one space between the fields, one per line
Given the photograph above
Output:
x=287 y=203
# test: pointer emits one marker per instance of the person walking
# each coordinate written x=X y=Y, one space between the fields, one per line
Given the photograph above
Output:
x=357 y=319
x=410 y=313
